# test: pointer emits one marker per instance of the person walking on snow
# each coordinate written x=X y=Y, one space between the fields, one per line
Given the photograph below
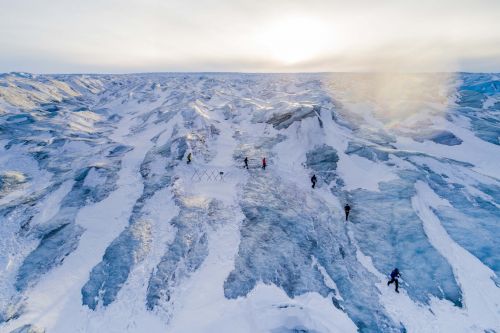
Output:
x=313 y=181
x=347 y=209
x=246 y=162
x=394 y=278
x=189 y=158
x=264 y=164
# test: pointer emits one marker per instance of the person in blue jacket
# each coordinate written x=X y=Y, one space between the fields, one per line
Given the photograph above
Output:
x=394 y=278
x=347 y=209
x=313 y=181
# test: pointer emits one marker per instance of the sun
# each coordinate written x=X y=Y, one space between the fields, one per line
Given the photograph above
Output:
x=296 y=39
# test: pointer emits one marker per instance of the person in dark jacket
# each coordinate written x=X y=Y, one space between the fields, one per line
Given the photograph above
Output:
x=246 y=162
x=189 y=158
x=313 y=181
x=347 y=209
x=394 y=278
x=264 y=164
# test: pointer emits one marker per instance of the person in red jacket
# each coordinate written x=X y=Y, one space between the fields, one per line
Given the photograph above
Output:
x=264 y=164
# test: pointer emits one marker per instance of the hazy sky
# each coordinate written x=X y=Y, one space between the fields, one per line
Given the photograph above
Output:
x=65 y=36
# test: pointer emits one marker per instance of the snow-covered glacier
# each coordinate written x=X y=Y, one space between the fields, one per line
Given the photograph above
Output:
x=105 y=227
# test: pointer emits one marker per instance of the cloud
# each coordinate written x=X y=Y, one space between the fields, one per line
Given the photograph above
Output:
x=209 y=35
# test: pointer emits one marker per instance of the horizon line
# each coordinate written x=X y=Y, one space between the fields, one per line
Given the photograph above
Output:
x=249 y=73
